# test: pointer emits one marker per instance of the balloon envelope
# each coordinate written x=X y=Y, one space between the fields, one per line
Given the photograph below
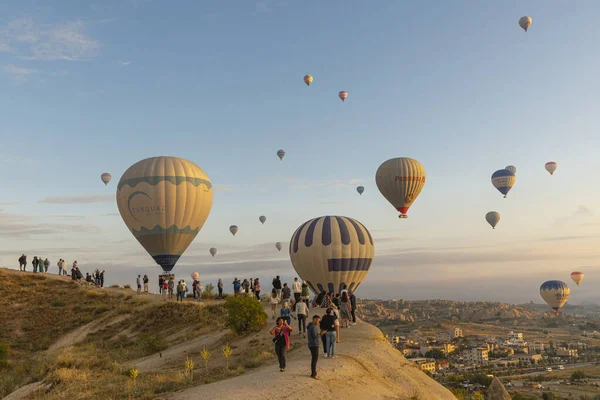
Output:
x=164 y=201
x=213 y=251
x=512 y=169
x=106 y=177
x=308 y=79
x=360 y=190
x=195 y=276
x=525 y=22
x=400 y=180
x=262 y=219
x=577 y=277
x=331 y=251
x=233 y=229
x=343 y=95
x=492 y=218
x=280 y=154
x=555 y=293
x=551 y=167
x=503 y=180
x=278 y=246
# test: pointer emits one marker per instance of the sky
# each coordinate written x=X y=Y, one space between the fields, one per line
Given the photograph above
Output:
x=93 y=87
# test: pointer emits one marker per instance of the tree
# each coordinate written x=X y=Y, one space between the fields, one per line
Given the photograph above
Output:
x=435 y=353
x=245 y=314
x=481 y=379
x=578 y=375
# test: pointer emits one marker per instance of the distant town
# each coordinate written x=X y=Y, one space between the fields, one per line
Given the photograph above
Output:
x=464 y=345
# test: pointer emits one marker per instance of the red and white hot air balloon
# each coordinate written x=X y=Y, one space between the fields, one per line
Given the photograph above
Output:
x=400 y=180
x=343 y=95
x=577 y=277
x=551 y=167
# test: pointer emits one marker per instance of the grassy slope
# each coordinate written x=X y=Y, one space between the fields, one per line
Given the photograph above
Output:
x=41 y=309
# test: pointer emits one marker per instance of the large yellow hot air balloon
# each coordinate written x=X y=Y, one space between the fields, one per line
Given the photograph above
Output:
x=400 y=180
x=330 y=251
x=308 y=79
x=164 y=201
x=555 y=293
x=577 y=277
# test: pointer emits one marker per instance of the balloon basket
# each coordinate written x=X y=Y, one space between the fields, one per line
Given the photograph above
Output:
x=166 y=276
x=402 y=216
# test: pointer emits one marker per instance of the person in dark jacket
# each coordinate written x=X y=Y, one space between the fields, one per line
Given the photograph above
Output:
x=277 y=285
x=160 y=284
x=328 y=325
x=102 y=278
x=286 y=292
x=313 y=344
x=353 y=306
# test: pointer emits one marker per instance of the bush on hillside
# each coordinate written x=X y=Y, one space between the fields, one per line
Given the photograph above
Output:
x=244 y=314
x=208 y=292
x=152 y=343
x=3 y=355
x=127 y=287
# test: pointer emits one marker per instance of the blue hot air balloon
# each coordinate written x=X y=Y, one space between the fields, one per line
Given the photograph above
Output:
x=503 y=180
x=555 y=293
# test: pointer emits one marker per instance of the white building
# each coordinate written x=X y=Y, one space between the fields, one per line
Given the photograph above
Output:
x=456 y=333
x=536 y=346
x=515 y=339
x=475 y=355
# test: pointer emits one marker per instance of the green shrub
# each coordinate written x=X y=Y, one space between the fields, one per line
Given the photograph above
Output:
x=151 y=344
x=3 y=355
x=115 y=286
x=208 y=292
x=127 y=287
x=244 y=314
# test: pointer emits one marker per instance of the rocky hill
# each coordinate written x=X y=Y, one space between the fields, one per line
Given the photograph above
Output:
x=421 y=311
x=61 y=340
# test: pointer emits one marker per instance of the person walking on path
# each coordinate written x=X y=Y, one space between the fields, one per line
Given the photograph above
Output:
x=305 y=295
x=302 y=314
x=277 y=285
x=281 y=338
x=257 y=289
x=353 y=307
x=297 y=288
x=146 y=280
x=139 y=284
x=273 y=300
x=286 y=312
x=286 y=292
x=313 y=344
x=328 y=325
x=220 y=287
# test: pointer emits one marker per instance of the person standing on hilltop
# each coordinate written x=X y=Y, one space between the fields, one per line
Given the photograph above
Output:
x=246 y=286
x=164 y=289
x=281 y=338
x=102 y=278
x=59 y=264
x=139 y=284
x=171 y=286
x=22 y=262
x=353 y=307
x=328 y=325
x=305 y=295
x=286 y=292
x=257 y=289
x=273 y=301
x=46 y=265
x=146 y=280
x=73 y=273
x=345 y=310
x=297 y=288
x=313 y=344
x=220 y=288
x=34 y=264
x=277 y=285
x=236 y=286
x=160 y=284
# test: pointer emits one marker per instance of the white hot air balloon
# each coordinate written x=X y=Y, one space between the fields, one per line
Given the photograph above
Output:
x=492 y=218
x=525 y=22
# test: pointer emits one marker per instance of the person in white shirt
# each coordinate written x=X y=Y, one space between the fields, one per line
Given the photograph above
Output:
x=302 y=314
x=297 y=289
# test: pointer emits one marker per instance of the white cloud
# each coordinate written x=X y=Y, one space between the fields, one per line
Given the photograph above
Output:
x=31 y=40
x=82 y=199
x=124 y=63
x=18 y=226
x=4 y=48
x=15 y=159
x=263 y=7
x=19 y=74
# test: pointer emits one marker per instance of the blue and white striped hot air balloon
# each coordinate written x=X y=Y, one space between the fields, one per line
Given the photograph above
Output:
x=331 y=251
x=503 y=180
x=555 y=293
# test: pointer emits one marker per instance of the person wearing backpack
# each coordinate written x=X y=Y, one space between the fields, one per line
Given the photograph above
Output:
x=146 y=280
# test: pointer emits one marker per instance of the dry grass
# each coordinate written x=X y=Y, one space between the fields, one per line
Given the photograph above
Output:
x=40 y=310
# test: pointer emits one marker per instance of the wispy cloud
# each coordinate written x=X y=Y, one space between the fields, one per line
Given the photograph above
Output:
x=8 y=203
x=262 y=7
x=31 y=40
x=580 y=216
x=19 y=74
x=83 y=199
x=18 y=226
x=4 y=48
x=124 y=63
x=15 y=159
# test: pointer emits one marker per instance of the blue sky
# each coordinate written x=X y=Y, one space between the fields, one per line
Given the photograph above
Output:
x=93 y=87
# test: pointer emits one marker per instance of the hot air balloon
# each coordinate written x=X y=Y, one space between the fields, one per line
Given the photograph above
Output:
x=195 y=276
x=164 y=201
x=577 y=277
x=400 y=180
x=492 y=218
x=343 y=95
x=360 y=190
x=512 y=169
x=280 y=154
x=331 y=251
x=278 y=246
x=262 y=219
x=213 y=251
x=551 y=167
x=106 y=177
x=233 y=229
x=555 y=293
x=525 y=23
x=308 y=79
x=503 y=180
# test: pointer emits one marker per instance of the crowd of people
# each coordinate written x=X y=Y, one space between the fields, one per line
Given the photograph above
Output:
x=96 y=278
